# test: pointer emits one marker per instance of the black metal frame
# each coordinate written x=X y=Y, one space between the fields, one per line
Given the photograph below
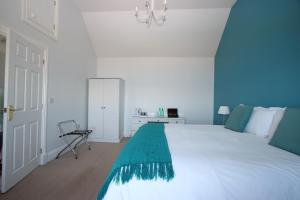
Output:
x=83 y=134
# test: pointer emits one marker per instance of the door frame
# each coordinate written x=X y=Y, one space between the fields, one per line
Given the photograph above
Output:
x=43 y=148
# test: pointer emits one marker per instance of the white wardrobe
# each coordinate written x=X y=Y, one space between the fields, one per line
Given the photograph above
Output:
x=106 y=109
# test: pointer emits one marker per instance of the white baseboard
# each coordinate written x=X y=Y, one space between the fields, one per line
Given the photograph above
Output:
x=51 y=155
x=127 y=134
x=103 y=140
x=43 y=159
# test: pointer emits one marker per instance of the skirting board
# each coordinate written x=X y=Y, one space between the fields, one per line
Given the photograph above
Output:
x=51 y=155
x=103 y=140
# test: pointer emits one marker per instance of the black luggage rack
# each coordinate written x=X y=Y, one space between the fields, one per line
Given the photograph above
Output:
x=68 y=129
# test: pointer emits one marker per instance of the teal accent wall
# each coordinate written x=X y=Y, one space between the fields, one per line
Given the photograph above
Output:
x=258 y=60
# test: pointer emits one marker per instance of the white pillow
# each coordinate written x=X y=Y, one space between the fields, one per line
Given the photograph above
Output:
x=276 y=120
x=260 y=121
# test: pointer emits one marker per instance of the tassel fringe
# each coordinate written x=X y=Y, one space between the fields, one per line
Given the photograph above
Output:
x=146 y=171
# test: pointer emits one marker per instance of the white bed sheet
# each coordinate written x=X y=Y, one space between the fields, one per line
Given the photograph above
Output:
x=211 y=162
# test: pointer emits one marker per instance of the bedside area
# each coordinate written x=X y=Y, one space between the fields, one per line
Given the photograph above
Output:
x=138 y=121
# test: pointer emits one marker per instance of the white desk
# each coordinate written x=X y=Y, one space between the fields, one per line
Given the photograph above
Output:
x=138 y=121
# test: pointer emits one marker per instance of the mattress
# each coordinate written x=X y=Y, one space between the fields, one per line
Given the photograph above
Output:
x=211 y=162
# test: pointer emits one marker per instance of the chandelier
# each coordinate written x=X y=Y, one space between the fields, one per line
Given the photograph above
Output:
x=151 y=15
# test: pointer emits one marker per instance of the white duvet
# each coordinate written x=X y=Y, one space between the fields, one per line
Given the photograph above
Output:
x=214 y=163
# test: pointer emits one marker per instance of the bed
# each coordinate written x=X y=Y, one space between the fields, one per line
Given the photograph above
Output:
x=211 y=162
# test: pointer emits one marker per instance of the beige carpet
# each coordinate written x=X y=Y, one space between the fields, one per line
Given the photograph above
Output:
x=67 y=178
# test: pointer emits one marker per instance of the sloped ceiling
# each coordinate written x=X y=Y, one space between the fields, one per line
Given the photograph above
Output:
x=129 y=5
x=193 y=28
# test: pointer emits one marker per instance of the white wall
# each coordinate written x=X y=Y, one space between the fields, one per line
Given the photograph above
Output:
x=2 y=62
x=71 y=62
x=185 y=83
x=2 y=68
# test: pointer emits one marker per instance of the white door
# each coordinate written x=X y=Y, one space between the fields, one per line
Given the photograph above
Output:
x=111 y=96
x=23 y=101
x=95 y=116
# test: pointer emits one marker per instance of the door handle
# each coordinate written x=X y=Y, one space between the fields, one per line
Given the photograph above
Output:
x=10 y=112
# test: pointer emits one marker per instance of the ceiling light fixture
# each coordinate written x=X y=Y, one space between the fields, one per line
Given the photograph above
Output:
x=151 y=15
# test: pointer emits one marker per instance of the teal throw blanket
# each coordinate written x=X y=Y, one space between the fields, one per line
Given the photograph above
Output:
x=146 y=157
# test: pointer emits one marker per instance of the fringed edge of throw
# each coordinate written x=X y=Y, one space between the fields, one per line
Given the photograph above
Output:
x=148 y=171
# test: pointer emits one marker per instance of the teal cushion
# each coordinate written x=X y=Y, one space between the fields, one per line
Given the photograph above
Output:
x=239 y=118
x=287 y=135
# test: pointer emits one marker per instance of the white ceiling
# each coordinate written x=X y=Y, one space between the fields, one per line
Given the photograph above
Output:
x=127 y=5
x=187 y=33
x=193 y=28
